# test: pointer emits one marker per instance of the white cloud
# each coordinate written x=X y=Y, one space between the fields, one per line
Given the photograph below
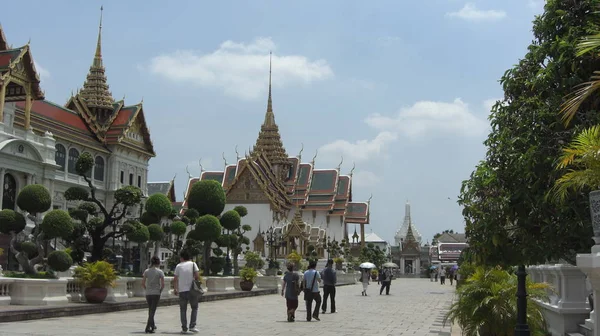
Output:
x=470 y=13
x=430 y=117
x=361 y=150
x=42 y=72
x=239 y=69
x=365 y=178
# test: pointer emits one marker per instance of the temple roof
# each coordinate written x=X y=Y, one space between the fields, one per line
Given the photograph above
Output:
x=452 y=238
x=165 y=188
x=406 y=224
x=3 y=42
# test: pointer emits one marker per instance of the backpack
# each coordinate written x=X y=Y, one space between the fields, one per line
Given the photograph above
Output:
x=297 y=285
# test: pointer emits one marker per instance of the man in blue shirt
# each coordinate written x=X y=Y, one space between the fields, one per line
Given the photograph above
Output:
x=311 y=291
x=329 y=280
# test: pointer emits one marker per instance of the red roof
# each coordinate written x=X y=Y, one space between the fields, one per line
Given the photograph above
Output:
x=57 y=113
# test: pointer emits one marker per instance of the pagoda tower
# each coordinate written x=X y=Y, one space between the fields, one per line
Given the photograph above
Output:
x=406 y=228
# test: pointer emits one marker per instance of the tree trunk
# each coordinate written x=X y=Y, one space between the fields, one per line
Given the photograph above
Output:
x=236 y=267
x=156 y=248
x=144 y=250
x=206 y=256
x=97 y=247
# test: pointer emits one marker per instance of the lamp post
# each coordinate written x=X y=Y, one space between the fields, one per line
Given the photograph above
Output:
x=522 y=328
x=273 y=239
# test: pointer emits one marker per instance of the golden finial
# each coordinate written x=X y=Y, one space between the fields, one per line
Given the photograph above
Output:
x=352 y=170
x=340 y=165
x=71 y=92
x=99 y=43
x=224 y=159
x=174 y=176
x=369 y=200
x=123 y=97
x=301 y=150
x=270 y=117
x=314 y=158
x=187 y=170
x=29 y=42
x=237 y=154
x=201 y=167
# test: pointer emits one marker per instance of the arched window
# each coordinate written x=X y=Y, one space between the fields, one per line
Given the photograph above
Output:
x=9 y=192
x=89 y=172
x=60 y=156
x=99 y=169
x=73 y=156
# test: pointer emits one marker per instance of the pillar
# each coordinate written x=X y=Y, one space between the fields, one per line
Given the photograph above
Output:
x=2 y=173
x=402 y=265
x=2 y=97
x=29 y=178
x=362 y=235
x=418 y=265
x=28 y=101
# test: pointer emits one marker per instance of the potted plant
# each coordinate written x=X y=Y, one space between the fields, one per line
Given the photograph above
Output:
x=248 y=276
x=338 y=263
x=273 y=267
x=295 y=258
x=374 y=274
x=95 y=278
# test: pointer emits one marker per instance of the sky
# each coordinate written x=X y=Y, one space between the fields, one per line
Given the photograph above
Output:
x=401 y=89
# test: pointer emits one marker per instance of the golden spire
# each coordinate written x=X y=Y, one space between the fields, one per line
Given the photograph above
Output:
x=95 y=88
x=269 y=140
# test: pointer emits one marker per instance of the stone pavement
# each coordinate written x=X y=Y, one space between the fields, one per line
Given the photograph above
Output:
x=415 y=307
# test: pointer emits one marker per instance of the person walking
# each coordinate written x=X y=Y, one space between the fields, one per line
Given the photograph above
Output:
x=153 y=282
x=185 y=273
x=451 y=276
x=311 y=291
x=365 y=277
x=442 y=276
x=329 y=282
x=290 y=290
x=385 y=277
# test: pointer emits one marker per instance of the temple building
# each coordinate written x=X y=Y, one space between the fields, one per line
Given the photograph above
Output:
x=408 y=251
x=40 y=141
x=302 y=204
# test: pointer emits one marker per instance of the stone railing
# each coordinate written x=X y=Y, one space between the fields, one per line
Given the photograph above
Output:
x=567 y=307
x=5 y=291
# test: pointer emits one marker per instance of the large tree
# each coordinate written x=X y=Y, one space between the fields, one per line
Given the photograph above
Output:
x=506 y=200
x=124 y=198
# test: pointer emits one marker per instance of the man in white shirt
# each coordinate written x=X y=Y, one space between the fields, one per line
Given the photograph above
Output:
x=185 y=273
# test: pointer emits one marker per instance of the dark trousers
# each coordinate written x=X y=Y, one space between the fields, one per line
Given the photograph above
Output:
x=328 y=291
x=184 y=299
x=451 y=279
x=309 y=300
x=442 y=280
x=152 y=304
x=386 y=285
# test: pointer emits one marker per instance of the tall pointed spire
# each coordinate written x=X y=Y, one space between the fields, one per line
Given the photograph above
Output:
x=269 y=141
x=407 y=211
x=95 y=88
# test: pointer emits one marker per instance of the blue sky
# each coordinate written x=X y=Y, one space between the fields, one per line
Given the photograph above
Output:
x=401 y=88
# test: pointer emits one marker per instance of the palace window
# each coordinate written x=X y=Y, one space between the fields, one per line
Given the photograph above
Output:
x=73 y=156
x=60 y=156
x=89 y=173
x=130 y=179
x=9 y=192
x=99 y=168
x=139 y=181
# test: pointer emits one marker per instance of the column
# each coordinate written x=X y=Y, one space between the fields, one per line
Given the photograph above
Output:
x=2 y=97
x=28 y=101
x=362 y=235
x=29 y=178
x=2 y=173
x=418 y=265
x=401 y=265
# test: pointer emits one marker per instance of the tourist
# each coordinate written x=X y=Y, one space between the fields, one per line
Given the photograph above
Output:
x=385 y=277
x=290 y=289
x=329 y=281
x=185 y=274
x=365 y=277
x=311 y=291
x=451 y=276
x=153 y=282
x=442 y=276
x=437 y=273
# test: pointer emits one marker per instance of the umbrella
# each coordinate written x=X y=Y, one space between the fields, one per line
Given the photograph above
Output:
x=390 y=265
x=433 y=267
x=367 y=265
x=454 y=268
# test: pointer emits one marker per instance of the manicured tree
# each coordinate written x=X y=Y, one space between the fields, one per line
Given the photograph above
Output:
x=159 y=206
x=238 y=238
x=230 y=221
x=207 y=230
x=124 y=198
x=178 y=229
x=138 y=233
x=207 y=198
x=156 y=236
x=59 y=261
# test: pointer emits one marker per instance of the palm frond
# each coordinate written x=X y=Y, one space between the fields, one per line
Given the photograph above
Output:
x=574 y=100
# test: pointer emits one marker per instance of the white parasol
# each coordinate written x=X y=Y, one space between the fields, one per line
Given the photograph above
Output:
x=367 y=265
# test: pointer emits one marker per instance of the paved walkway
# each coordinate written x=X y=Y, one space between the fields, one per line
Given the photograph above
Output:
x=415 y=307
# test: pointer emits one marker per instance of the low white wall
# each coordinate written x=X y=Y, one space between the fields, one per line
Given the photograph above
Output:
x=38 y=292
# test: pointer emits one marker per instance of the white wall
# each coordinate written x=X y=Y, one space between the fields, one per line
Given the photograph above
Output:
x=259 y=215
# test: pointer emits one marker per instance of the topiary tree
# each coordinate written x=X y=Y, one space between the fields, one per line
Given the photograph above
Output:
x=59 y=261
x=124 y=198
x=207 y=198
x=158 y=206
x=156 y=236
x=231 y=221
x=207 y=230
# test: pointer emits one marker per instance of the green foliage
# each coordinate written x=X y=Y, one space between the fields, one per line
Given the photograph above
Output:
x=253 y=260
x=508 y=217
x=178 y=228
x=155 y=232
x=207 y=197
x=29 y=248
x=231 y=220
x=84 y=164
x=487 y=304
x=129 y=195
x=159 y=205
x=59 y=261
x=241 y=210
x=373 y=254
x=57 y=224
x=34 y=198
x=248 y=274
x=216 y=265
x=137 y=232
x=294 y=257
x=11 y=221
x=192 y=214
x=77 y=194
x=99 y=274
x=208 y=228
x=38 y=275
x=148 y=218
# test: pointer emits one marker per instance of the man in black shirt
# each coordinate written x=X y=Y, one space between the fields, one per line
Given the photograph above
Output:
x=329 y=280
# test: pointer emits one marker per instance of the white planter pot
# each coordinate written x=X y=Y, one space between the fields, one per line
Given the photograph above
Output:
x=38 y=292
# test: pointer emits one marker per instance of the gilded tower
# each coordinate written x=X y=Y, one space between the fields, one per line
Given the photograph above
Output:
x=269 y=140
x=95 y=91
